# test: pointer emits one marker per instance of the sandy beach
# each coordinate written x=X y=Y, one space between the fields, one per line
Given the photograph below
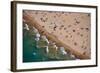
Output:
x=67 y=29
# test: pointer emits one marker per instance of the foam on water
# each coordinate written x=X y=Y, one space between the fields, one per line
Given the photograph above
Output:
x=37 y=47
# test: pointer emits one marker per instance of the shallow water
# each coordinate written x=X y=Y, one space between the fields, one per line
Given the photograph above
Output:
x=35 y=51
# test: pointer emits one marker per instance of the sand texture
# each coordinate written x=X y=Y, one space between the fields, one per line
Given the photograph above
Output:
x=68 y=29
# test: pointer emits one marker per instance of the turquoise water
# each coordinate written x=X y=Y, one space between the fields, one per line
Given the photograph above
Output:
x=32 y=53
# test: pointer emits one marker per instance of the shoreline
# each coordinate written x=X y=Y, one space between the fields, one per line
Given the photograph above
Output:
x=32 y=22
